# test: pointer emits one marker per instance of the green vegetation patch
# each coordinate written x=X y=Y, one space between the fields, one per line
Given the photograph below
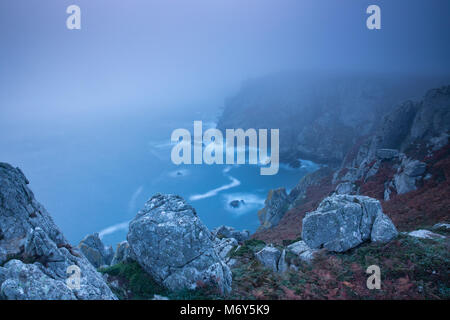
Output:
x=135 y=284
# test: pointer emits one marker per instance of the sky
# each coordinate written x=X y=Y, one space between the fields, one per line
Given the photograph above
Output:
x=133 y=54
x=75 y=105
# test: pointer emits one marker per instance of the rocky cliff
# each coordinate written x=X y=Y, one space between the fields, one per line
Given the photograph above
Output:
x=404 y=164
x=36 y=261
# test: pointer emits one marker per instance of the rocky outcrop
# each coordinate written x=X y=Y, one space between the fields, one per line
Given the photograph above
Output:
x=298 y=194
x=346 y=188
x=409 y=172
x=230 y=232
x=274 y=259
x=269 y=257
x=303 y=198
x=278 y=203
x=302 y=250
x=407 y=133
x=425 y=234
x=171 y=243
x=342 y=222
x=237 y=203
x=387 y=154
x=123 y=254
x=36 y=259
x=275 y=206
x=441 y=227
x=224 y=247
x=383 y=230
x=95 y=251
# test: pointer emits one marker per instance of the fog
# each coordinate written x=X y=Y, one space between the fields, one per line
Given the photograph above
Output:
x=154 y=54
x=76 y=105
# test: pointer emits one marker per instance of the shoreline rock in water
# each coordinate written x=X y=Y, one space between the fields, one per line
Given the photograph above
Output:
x=171 y=243
x=237 y=203
x=34 y=254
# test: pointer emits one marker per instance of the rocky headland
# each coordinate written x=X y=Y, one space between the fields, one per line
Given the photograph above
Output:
x=381 y=198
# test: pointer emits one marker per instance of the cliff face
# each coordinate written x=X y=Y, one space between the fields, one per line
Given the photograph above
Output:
x=406 y=137
x=405 y=163
x=320 y=118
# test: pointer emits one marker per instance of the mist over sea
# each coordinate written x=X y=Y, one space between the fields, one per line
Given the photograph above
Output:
x=94 y=174
x=208 y=188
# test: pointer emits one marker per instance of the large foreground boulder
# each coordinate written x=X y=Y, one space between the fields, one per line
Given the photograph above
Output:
x=36 y=261
x=95 y=251
x=171 y=243
x=342 y=222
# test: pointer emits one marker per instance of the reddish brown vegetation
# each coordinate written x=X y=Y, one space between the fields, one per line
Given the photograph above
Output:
x=412 y=269
x=429 y=204
x=374 y=186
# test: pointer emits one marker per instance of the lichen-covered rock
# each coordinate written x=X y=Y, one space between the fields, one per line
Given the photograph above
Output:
x=282 y=263
x=230 y=232
x=308 y=256
x=298 y=247
x=269 y=257
x=441 y=226
x=404 y=183
x=387 y=154
x=171 y=243
x=38 y=253
x=302 y=250
x=3 y=256
x=415 y=168
x=95 y=251
x=342 y=222
x=425 y=234
x=275 y=206
x=123 y=254
x=224 y=246
x=346 y=188
x=29 y=282
x=383 y=230
x=409 y=172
